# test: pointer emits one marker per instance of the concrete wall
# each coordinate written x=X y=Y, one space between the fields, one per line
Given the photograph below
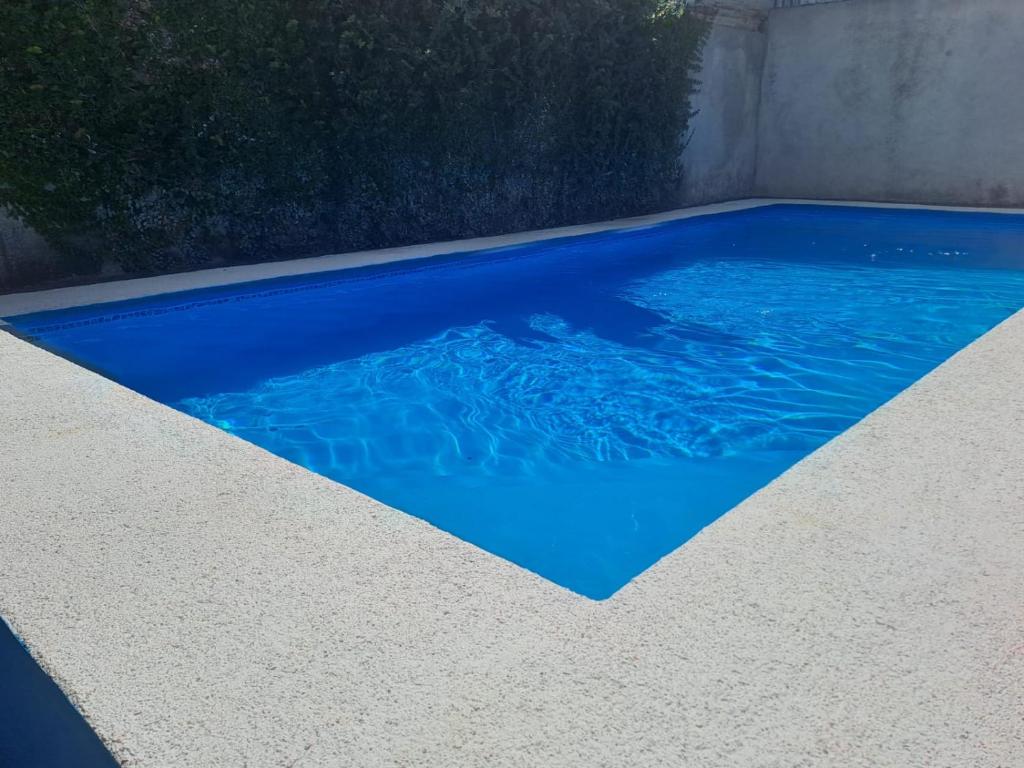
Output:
x=24 y=256
x=721 y=156
x=898 y=100
x=901 y=100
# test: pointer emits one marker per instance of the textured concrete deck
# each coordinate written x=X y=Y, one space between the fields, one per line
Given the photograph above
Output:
x=207 y=604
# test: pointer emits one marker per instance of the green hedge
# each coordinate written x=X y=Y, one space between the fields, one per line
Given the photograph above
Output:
x=175 y=133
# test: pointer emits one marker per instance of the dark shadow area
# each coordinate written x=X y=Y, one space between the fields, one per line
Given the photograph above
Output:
x=39 y=728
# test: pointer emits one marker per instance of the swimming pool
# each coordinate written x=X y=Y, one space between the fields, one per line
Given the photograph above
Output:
x=584 y=406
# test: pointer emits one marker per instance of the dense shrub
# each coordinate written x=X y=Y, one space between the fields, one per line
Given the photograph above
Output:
x=171 y=133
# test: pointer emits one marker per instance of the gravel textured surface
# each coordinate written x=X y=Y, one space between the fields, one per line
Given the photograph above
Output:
x=205 y=603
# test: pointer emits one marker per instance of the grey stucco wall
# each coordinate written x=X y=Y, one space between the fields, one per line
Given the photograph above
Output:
x=25 y=257
x=896 y=100
x=901 y=100
x=721 y=156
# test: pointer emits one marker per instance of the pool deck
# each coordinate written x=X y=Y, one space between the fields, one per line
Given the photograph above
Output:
x=205 y=603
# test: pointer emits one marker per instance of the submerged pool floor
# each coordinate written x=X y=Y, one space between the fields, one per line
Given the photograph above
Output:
x=584 y=406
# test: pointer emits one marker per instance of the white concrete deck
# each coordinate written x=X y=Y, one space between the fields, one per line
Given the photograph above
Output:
x=207 y=604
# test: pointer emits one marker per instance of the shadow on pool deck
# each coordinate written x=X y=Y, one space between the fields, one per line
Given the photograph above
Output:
x=39 y=728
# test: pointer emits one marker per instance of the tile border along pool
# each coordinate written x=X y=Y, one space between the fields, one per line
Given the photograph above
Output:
x=205 y=603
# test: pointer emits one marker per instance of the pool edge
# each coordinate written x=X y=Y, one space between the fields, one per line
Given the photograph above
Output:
x=14 y=304
x=895 y=626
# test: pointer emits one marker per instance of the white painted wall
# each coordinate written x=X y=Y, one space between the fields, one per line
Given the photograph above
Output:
x=900 y=100
x=720 y=159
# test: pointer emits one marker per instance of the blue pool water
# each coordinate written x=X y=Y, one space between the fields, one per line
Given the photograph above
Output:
x=584 y=406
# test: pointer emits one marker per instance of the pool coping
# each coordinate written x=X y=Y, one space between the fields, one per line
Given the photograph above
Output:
x=206 y=603
x=13 y=304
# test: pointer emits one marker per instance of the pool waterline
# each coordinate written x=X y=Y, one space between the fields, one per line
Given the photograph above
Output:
x=579 y=407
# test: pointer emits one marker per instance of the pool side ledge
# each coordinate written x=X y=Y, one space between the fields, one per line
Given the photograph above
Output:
x=205 y=603
x=135 y=288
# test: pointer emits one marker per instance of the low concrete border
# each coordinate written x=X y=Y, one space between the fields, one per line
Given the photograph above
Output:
x=137 y=288
x=205 y=603
x=98 y=293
